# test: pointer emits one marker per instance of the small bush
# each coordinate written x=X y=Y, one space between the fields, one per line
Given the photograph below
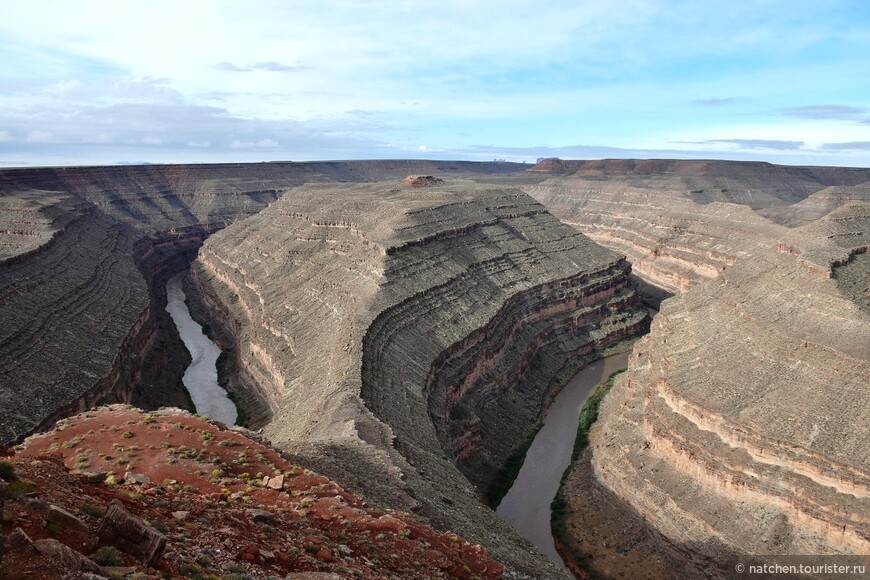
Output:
x=127 y=435
x=192 y=570
x=52 y=527
x=93 y=511
x=7 y=471
x=19 y=488
x=236 y=568
x=108 y=556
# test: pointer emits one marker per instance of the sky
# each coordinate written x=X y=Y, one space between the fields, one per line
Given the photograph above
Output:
x=128 y=81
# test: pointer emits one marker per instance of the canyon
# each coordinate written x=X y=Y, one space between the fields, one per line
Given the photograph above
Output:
x=405 y=337
x=738 y=428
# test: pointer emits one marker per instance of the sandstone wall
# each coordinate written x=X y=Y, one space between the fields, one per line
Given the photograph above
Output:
x=679 y=222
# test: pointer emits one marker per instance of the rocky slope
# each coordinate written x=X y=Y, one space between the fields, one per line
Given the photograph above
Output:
x=417 y=332
x=118 y=492
x=744 y=420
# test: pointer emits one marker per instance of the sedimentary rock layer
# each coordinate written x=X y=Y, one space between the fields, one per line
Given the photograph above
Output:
x=679 y=222
x=83 y=253
x=737 y=428
x=419 y=328
x=734 y=429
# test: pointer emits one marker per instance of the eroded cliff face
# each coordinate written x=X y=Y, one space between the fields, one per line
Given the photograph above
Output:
x=736 y=429
x=84 y=254
x=733 y=432
x=406 y=330
x=683 y=222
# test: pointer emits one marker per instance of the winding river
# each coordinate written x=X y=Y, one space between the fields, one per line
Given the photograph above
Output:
x=526 y=507
x=200 y=378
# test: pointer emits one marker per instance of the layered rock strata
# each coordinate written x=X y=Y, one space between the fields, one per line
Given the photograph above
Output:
x=683 y=222
x=415 y=330
x=734 y=429
x=83 y=255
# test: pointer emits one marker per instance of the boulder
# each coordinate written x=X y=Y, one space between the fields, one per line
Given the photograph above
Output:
x=276 y=482
x=65 y=519
x=66 y=557
x=19 y=541
x=94 y=476
x=261 y=516
x=136 y=478
x=130 y=534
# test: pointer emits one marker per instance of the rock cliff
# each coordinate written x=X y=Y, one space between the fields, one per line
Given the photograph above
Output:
x=426 y=329
x=682 y=222
x=732 y=431
x=736 y=404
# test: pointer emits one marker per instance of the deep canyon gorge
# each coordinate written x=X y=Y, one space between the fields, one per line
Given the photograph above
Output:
x=405 y=337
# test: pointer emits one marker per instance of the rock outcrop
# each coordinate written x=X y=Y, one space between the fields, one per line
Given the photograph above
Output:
x=208 y=504
x=423 y=329
x=682 y=222
x=736 y=403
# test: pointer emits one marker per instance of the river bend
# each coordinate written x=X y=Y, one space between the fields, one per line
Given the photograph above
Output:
x=200 y=378
x=526 y=507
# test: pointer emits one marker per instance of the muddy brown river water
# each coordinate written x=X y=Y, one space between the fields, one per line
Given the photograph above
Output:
x=200 y=378
x=526 y=507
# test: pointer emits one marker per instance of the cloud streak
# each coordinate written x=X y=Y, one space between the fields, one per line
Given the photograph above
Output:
x=270 y=66
x=827 y=112
x=715 y=102
x=772 y=144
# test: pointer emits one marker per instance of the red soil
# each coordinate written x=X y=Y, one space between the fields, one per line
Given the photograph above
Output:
x=216 y=476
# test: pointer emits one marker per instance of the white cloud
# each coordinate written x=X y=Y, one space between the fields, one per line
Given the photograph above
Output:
x=5 y=136
x=39 y=136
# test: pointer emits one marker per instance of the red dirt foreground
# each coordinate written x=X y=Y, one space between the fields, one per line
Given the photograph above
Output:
x=122 y=493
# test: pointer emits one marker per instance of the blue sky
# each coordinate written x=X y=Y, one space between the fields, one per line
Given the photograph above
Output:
x=96 y=82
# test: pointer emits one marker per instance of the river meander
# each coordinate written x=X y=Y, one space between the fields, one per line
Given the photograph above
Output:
x=526 y=507
x=200 y=378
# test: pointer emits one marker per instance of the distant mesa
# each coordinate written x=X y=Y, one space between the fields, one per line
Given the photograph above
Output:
x=421 y=181
x=549 y=165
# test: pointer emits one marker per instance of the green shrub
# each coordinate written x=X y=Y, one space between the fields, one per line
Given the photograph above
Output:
x=108 y=556
x=192 y=570
x=19 y=488
x=52 y=527
x=93 y=511
x=7 y=471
